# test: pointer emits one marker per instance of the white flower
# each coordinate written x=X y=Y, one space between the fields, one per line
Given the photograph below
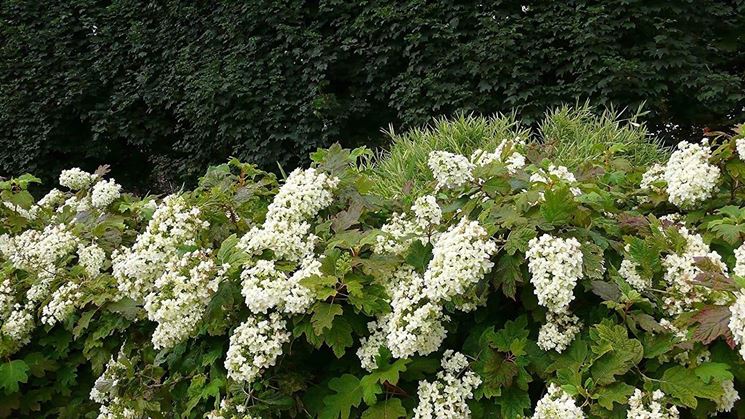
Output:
x=265 y=287
x=558 y=331
x=18 y=325
x=104 y=193
x=52 y=199
x=737 y=321
x=173 y=225
x=557 y=404
x=63 y=303
x=556 y=173
x=254 y=346
x=36 y=251
x=370 y=346
x=7 y=298
x=460 y=259
x=654 y=409
x=447 y=396
x=76 y=179
x=426 y=212
x=513 y=159
x=729 y=397
x=91 y=258
x=286 y=231
x=450 y=170
x=740 y=145
x=689 y=176
x=740 y=261
x=628 y=271
x=415 y=324
x=555 y=265
x=180 y=296
x=682 y=269
x=653 y=175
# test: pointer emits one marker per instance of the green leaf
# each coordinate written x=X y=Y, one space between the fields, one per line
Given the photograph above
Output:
x=684 y=385
x=419 y=255
x=618 y=392
x=517 y=240
x=508 y=274
x=592 y=261
x=12 y=373
x=496 y=372
x=616 y=353
x=323 y=316
x=558 y=206
x=348 y=394
x=513 y=402
x=38 y=364
x=386 y=372
x=387 y=409
x=713 y=370
x=339 y=337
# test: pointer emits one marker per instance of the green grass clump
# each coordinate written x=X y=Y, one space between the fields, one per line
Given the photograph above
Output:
x=569 y=136
x=573 y=136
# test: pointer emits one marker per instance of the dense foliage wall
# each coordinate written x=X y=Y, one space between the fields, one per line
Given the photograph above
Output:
x=159 y=89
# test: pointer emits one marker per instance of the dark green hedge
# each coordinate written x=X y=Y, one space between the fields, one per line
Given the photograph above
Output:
x=159 y=89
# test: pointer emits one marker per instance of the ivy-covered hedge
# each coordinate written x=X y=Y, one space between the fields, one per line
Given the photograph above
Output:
x=513 y=288
x=160 y=89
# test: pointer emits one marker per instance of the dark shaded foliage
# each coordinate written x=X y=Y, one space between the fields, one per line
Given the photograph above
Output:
x=159 y=89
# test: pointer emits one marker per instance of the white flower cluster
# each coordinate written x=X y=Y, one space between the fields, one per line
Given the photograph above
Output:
x=729 y=397
x=180 y=297
x=401 y=230
x=415 y=324
x=370 y=345
x=91 y=258
x=555 y=265
x=104 y=389
x=558 y=331
x=460 y=258
x=739 y=269
x=52 y=199
x=737 y=321
x=654 y=409
x=450 y=170
x=266 y=287
x=19 y=324
x=740 y=146
x=36 y=251
x=228 y=411
x=446 y=397
x=681 y=271
x=173 y=225
x=628 y=271
x=7 y=298
x=513 y=160
x=555 y=404
x=76 y=179
x=255 y=345
x=653 y=175
x=64 y=301
x=286 y=231
x=556 y=173
x=104 y=193
x=689 y=176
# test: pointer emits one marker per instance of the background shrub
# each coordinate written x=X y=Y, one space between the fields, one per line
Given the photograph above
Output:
x=160 y=89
